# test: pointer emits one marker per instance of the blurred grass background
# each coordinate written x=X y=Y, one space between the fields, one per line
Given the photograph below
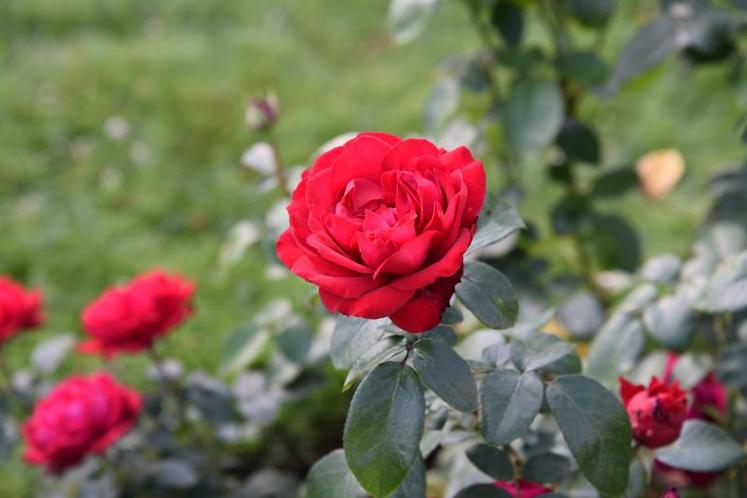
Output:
x=82 y=207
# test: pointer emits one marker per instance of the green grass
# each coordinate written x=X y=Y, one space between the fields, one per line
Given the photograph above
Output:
x=81 y=210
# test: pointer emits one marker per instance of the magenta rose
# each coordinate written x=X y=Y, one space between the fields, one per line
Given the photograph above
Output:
x=79 y=417
x=19 y=308
x=129 y=318
x=381 y=225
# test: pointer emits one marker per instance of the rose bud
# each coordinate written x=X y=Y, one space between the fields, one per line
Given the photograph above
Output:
x=381 y=226
x=656 y=413
x=19 y=308
x=261 y=114
x=79 y=417
x=523 y=489
x=710 y=400
x=128 y=319
x=671 y=493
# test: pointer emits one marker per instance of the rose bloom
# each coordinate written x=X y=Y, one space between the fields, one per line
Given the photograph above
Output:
x=81 y=416
x=381 y=225
x=19 y=308
x=709 y=402
x=656 y=412
x=128 y=319
x=522 y=488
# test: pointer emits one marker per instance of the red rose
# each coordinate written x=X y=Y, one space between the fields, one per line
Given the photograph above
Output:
x=656 y=413
x=81 y=416
x=381 y=225
x=522 y=488
x=128 y=319
x=19 y=308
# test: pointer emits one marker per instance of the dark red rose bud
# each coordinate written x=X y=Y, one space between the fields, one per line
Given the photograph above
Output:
x=128 y=319
x=381 y=225
x=261 y=114
x=79 y=417
x=671 y=493
x=710 y=400
x=523 y=489
x=656 y=413
x=19 y=308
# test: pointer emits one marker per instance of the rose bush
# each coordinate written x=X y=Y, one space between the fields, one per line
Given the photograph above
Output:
x=381 y=225
x=129 y=318
x=79 y=417
x=19 y=308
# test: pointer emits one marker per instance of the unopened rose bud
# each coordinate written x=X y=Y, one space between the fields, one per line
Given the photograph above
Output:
x=261 y=114
x=656 y=412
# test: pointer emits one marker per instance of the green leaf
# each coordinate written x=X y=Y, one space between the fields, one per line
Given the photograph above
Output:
x=414 y=485
x=241 y=348
x=582 y=315
x=408 y=18
x=671 y=321
x=389 y=348
x=592 y=13
x=727 y=289
x=662 y=269
x=351 y=339
x=508 y=19
x=615 y=348
x=571 y=214
x=595 y=427
x=49 y=354
x=330 y=477
x=614 y=183
x=294 y=342
x=384 y=426
x=488 y=294
x=582 y=67
x=491 y=461
x=173 y=473
x=702 y=447
x=579 y=142
x=731 y=365
x=441 y=104
x=495 y=224
x=537 y=351
x=483 y=491
x=615 y=243
x=545 y=468
x=446 y=373
x=650 y=45
x=509 y=401
x=532 y=116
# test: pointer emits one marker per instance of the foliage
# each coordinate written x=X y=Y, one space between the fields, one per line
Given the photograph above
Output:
x=518 y=380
